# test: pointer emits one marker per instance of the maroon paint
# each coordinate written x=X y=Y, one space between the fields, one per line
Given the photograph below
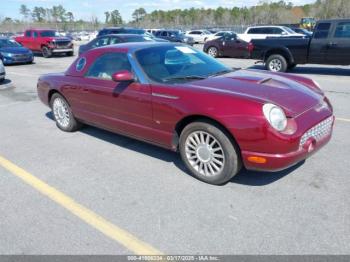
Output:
x=234 y=100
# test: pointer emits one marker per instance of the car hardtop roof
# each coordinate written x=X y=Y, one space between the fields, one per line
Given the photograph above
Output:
x=121 y=35
x=257 y=26
x=135 y=46
x=121 y=27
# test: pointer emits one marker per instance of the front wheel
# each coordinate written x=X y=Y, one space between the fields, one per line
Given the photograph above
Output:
x=276 y=63
x=46 y=52
x=63 y=115
x=213 y=51
x=209 y=153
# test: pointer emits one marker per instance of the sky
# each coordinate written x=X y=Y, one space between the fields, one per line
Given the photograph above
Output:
x=84 y=9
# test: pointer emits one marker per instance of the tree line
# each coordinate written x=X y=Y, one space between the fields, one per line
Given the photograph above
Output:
x=266 y=12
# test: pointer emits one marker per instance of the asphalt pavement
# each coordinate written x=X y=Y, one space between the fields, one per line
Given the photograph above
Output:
x=145 y=191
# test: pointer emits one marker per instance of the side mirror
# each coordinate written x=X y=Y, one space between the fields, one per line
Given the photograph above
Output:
x=123 y=76
x=284 y=33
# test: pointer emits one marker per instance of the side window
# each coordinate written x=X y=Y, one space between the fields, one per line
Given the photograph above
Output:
x=28 y=33
x=267 y=31
x=277 y=31
x=108 y=64
x=342 y=30
x=322 y=30
x=35 y=34
x=100 y=42
x=164 y=33
x=256 y=31
x=115 y=40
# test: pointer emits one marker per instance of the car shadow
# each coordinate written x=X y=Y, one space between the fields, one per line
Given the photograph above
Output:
x=244 y=177
x=6 y=84
x=312 y=70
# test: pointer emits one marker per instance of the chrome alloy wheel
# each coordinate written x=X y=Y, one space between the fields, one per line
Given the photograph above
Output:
x=275 y=65
x=213 y=51
x=204 y=153
x=61 y=112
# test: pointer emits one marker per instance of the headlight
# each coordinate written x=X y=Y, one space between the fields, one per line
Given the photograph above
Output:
x=275 y=116
x=6 y=54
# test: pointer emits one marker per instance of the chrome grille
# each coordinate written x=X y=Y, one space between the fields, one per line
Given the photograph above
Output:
x=62 y=44
x=319 y=131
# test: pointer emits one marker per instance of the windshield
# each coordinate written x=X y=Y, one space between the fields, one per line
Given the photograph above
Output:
x=48 y=34
x=178 y=63
x=8 y=43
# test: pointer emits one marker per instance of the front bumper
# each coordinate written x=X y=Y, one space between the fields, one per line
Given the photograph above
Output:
x=277 y=162
x=2 y=75
x=17 y=60
x=62 y=50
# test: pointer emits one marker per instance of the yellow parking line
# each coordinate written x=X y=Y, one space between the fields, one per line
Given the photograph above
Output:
x=107 y=228
x=343 y=119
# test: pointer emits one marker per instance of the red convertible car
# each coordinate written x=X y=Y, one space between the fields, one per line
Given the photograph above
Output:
x=179 y=98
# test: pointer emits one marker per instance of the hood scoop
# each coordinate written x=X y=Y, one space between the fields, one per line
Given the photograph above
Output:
x=267 y=81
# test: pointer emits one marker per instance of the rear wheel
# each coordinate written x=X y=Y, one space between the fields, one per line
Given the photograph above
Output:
x=276 y=63
x=209 y=153
x=63 y=115
x=46 y=52
x=213 y=51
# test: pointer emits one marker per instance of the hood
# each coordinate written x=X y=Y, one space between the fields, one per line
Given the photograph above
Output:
x=294 y=97
x=15 y=50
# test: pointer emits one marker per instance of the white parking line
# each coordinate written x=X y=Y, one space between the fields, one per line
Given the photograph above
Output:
x=343 y=119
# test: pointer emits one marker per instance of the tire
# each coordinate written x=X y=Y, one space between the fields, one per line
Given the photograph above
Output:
x=63 y=115
x=70 y=53
x=276 y=63
x=291 y=66
x=2 y=80
x=198 y=155
x=213 y=51
x=46 y=52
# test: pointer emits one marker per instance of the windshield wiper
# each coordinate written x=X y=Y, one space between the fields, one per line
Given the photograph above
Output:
x=191 y=77
x=221 y=72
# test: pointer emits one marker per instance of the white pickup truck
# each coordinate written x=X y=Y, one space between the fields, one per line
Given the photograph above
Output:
x=261 y=32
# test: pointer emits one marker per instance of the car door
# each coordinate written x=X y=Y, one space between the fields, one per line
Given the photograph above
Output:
x=120 y=106
x=36 y=43
x=233 y=46
x=28 y=39
x=338 y=51
x=319 y=43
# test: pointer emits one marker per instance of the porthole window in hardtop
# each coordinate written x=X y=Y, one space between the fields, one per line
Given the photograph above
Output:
x=81 y=63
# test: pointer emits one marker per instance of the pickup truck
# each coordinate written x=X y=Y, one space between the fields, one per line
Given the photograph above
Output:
x=46 y=41
x=329 y=44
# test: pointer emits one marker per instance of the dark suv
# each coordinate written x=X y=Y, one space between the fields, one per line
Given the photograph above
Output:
x=174 y=36
x=128 y=30
x=121 y=30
